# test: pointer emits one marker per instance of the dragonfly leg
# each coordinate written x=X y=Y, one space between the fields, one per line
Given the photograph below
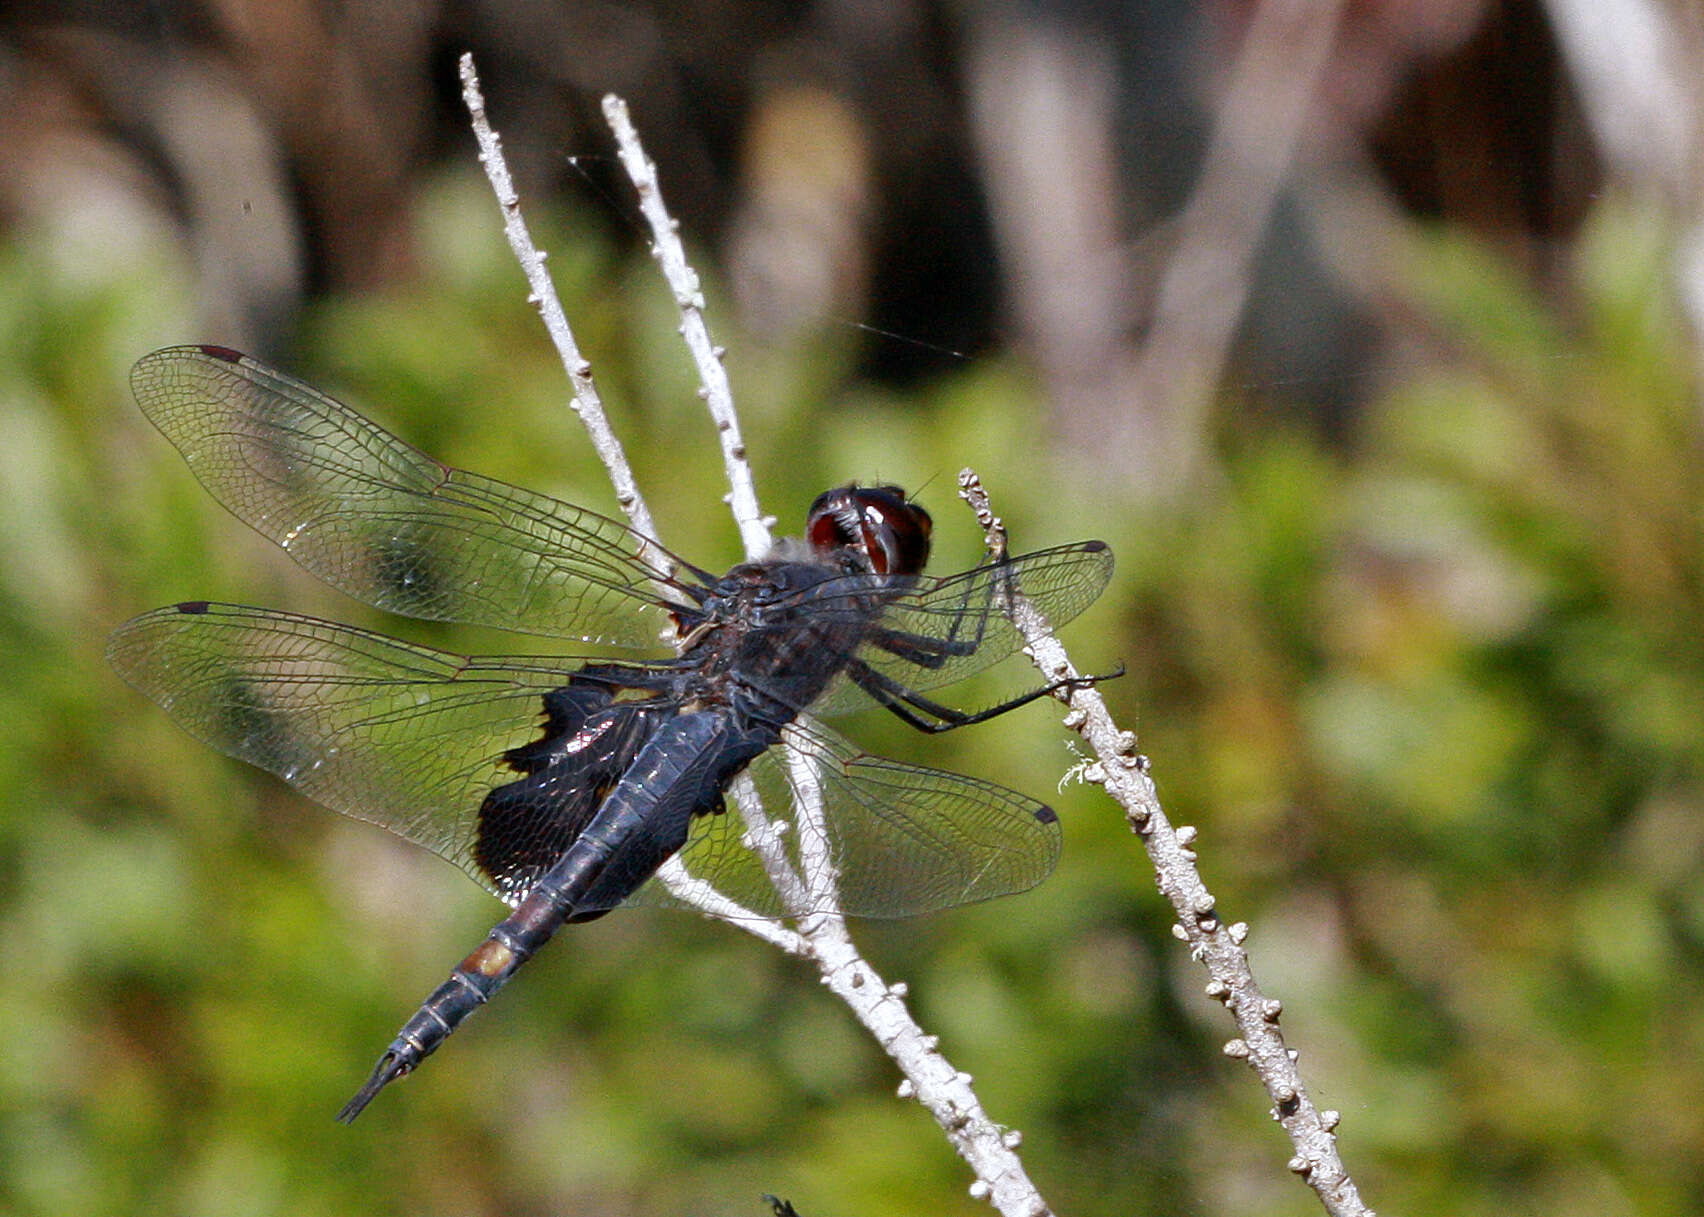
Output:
x=905 y=704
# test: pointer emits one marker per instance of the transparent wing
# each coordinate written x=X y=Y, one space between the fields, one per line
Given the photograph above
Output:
x=414 y=740
x=943 y=630
x=401 y=736
x=383 y=521
x=903 y=840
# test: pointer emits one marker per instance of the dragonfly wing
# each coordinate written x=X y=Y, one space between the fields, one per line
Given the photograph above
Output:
x=952 y=627
x=902 y=840
x=408 y=738
x=386 y=523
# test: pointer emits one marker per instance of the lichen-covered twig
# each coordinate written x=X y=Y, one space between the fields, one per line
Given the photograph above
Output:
x=1123 y=771
x=683 y=281
x=542 y=296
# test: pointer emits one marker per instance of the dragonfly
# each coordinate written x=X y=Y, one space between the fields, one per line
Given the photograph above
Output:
x=563 y=784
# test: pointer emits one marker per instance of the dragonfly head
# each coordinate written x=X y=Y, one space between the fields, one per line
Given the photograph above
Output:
x=879 y=522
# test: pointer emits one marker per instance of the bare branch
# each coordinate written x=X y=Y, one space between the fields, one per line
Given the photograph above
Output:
x=822 y=877
x=762 y=834
x=929 y=1077
x=701 y=895
x=763 y=838
x=1124 y=773
x=947 y=1093
x=586 y=402
x=689 y=297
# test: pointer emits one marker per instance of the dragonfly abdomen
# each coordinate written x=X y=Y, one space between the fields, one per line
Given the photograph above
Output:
x=681 y=772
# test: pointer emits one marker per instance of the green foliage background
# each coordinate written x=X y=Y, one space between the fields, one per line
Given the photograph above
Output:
x=1432 y=698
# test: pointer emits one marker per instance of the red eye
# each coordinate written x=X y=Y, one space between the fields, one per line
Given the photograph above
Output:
x=878 y=521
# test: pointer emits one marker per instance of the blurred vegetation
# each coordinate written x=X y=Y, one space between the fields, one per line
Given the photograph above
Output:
x=1432 y=696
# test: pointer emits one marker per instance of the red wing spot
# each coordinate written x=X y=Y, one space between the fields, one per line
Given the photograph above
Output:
x=193 y=607
x=225 y=353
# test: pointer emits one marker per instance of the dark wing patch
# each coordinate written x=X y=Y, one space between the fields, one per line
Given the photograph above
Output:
x=588 y=743
x=401 y=736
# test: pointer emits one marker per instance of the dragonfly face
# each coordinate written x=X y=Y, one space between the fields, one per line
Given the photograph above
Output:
x=879 y=522
x=563 y=783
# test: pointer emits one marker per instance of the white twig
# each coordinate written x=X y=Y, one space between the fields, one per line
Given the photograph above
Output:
x=700 y=894
x=588 y=406
x=947 y=1093
x=929 y=1077
x=762 y=833
x=822 y=877
x=689 y=297
x=586 y=403
x=763 y=838
x=1124 y=772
